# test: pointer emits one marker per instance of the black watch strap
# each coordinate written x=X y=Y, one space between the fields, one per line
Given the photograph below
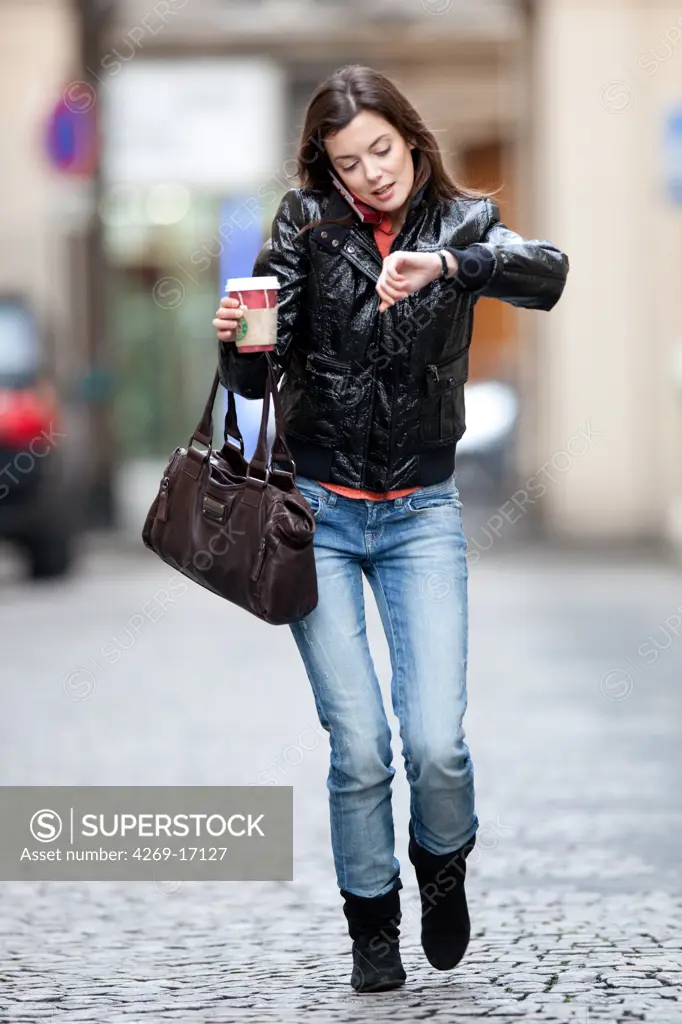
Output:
x=446 y=270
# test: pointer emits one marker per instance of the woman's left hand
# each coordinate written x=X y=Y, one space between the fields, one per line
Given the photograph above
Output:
x=405 y=272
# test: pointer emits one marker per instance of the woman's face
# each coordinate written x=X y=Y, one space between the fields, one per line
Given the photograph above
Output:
x=369 y=154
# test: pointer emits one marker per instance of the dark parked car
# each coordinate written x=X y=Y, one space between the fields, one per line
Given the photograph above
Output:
x=38 y=496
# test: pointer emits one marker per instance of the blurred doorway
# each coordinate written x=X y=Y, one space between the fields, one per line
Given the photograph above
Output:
x=487 y=452
x=494 y=348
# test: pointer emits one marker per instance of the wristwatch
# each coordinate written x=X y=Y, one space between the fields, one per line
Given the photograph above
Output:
x=446 y=270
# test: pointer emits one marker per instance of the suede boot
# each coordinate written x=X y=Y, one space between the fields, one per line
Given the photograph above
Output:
x=373 y=926
x=445 y=915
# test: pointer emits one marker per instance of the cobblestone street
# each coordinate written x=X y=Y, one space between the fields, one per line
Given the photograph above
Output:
x=574 y=886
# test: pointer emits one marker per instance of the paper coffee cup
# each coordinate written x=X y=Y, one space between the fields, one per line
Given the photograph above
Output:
x=257 y=331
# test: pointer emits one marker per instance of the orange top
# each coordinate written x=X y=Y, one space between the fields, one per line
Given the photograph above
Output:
x=383 y=236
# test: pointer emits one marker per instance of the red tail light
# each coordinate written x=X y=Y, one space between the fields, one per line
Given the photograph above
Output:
x=27 y=416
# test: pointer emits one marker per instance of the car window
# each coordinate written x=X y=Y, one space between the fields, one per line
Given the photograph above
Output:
x=19 y=344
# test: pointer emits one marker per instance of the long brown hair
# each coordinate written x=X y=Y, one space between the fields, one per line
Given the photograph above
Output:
x=336 y=102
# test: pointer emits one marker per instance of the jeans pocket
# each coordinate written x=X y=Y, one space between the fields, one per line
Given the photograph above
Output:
x=314 y=494
x=442 y=495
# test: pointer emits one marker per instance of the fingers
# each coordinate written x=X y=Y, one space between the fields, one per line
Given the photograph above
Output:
x=386 y=299
x=395 y=291
x=392 y=266
x=228 y=317
x=395 y=277
x=392 y=285
x=229 y=312
x=400 y=287
x=225 y=330
x=389 y=294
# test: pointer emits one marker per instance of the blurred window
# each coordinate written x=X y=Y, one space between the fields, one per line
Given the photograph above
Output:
x=19 y=344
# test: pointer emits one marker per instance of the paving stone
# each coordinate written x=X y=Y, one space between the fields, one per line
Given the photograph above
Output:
x=565 y=904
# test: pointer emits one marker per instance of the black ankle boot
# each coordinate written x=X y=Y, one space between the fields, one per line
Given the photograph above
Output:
x=445 y=916
x=373 y=927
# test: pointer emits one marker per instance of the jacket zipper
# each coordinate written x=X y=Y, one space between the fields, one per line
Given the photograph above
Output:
x=433 y=370
x=364 y=244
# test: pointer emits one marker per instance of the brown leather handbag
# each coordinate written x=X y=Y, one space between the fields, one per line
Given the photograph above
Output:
x=240 y=529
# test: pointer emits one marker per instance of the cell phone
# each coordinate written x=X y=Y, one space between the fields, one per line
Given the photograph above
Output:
x=367 y=214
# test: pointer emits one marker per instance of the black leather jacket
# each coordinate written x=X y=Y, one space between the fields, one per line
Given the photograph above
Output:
x=375 y=400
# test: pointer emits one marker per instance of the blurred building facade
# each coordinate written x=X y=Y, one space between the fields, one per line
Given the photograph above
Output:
x=38 y=211
x=559 y=102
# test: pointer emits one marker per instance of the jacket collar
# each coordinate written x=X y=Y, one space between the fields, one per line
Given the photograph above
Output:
x=332 y=237
x=337 y=205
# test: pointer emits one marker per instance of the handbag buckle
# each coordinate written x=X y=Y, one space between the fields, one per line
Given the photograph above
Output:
x=213 y=509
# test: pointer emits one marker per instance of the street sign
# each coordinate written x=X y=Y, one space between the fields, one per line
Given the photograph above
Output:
x=71 y=138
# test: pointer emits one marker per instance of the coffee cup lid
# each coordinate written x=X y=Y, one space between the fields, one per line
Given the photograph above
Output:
x=251 y=284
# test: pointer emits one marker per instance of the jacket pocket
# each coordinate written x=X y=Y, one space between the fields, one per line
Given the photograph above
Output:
x=317 y=398
x=318 y=360
x=441 y=414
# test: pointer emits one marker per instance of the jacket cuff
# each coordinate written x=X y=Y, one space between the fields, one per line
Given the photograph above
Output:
x=475 y=265
x=244 y=373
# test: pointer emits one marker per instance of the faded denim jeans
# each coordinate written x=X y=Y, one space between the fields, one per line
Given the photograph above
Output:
x=413 y=552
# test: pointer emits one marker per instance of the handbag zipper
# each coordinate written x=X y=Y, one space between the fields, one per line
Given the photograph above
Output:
x=259 y=561
x=162 y=510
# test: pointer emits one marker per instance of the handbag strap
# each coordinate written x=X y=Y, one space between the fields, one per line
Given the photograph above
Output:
x=279 y=447
x=230 y=425
x=204 y=429
x=203 y=432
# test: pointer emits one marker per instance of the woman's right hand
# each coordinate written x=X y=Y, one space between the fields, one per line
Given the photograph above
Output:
x=228 y=317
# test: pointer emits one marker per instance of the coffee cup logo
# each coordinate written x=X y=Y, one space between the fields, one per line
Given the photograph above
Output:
x=258 y=299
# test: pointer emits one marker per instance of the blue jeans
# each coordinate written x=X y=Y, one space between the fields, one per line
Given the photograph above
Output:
x=413 y=552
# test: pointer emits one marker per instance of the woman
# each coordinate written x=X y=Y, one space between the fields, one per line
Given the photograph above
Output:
x=377 y=293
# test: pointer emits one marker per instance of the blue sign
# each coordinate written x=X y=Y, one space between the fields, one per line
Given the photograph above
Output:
x=241 y=236
x=71 y=139
x=672 y=153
